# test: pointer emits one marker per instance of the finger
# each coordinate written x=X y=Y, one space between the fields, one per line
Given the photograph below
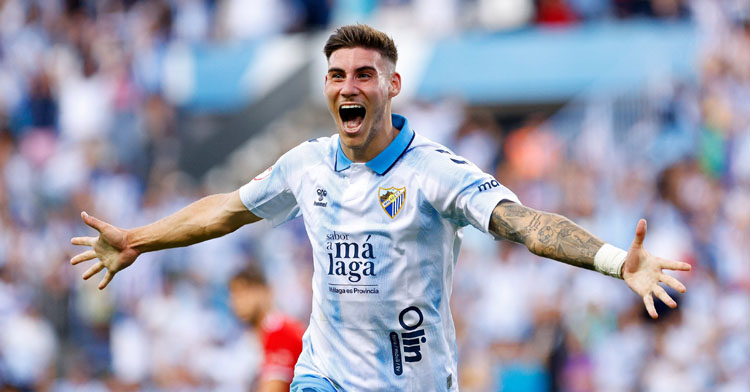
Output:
x=672 y=282
x=664 y=297
x=107 y=278
x=93 y=222
x=640 y=234
x=87 y=241
x=81 y=257
x=93 y=270
x=648 y=300
x=675 y=265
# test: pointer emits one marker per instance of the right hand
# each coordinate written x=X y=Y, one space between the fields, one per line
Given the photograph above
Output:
x=643 y=272
x=110 y=247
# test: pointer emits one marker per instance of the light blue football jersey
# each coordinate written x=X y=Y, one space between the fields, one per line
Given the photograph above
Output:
x=385 y=236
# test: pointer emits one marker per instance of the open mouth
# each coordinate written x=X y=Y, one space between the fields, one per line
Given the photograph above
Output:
x=352 y=116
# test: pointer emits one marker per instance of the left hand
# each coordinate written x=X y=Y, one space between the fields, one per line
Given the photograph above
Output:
x=643 y=272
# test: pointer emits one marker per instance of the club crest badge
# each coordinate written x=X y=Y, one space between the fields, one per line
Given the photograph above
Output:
x=392 y=200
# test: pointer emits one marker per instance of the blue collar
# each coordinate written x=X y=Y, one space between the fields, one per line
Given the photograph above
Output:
x=385 y=160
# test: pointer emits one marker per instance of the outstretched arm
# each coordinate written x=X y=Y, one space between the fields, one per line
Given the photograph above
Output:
x=545 y=234
x=556 y=237
x=116 y=248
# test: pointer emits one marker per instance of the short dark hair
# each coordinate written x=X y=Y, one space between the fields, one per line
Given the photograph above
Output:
x=252 y=274
x=361 y=36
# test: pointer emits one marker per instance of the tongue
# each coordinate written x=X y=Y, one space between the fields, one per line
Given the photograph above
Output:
x=353 y=123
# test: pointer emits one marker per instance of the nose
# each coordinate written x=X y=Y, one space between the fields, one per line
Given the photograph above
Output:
x=349 y=88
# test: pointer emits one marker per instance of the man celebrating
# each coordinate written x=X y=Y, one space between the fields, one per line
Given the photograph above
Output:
x=383 y=208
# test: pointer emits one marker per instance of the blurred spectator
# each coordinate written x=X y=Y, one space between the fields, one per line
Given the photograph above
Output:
x=253 y=19
x=532 y=151
x=664 y=9
x=478 y=138
x=28 y=344
x=591 y=9
x=279 y=334
x=554 y=12
x=85 y=102
x=311 y=15
x=505 y=15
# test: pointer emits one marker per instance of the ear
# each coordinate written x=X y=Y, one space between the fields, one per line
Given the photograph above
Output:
x=395 y=86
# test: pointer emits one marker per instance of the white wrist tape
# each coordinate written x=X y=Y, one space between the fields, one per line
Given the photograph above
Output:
x=609 y=260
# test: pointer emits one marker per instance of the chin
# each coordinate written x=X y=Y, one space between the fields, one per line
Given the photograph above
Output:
x=352 y=141
x=355 y=147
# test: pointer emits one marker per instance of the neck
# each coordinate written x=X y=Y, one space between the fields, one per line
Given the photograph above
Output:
x=257 y=322
x=262 y=311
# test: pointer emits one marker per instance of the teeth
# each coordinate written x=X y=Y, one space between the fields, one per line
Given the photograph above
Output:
x=352 y=106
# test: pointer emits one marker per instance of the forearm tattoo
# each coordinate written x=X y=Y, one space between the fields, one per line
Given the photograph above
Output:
x=545 y=234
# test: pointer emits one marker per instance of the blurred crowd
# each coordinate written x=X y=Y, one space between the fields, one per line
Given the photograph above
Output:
x=84 y=125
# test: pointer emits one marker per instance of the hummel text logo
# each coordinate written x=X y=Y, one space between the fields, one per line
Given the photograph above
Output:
x=321 y=195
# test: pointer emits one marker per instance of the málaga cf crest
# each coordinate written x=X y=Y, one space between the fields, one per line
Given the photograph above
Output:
x=392 y=200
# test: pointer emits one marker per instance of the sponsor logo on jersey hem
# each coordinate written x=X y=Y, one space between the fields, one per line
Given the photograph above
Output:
x=398 y=367
x=392 y=200
x=411 y=340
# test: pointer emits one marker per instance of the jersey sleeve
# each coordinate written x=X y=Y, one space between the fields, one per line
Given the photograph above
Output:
x=461 y=192
x=269 y=195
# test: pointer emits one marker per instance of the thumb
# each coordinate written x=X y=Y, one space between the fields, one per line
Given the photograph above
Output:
x=640 y=234
x=93 y=222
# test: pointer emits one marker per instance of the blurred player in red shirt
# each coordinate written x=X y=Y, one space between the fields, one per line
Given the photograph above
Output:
x=280 y=335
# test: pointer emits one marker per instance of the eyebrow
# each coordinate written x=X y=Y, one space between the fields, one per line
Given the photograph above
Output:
x=360 y=69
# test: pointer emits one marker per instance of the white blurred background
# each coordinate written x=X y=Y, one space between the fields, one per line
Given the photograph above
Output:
x=602 y=110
